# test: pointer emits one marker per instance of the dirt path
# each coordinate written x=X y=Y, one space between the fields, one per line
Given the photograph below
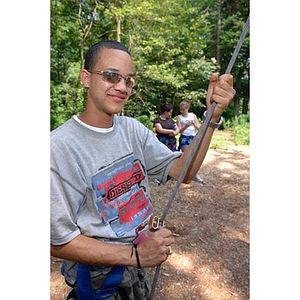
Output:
x=210 y=223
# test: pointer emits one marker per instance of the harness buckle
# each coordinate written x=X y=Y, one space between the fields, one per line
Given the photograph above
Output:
x=155 y=223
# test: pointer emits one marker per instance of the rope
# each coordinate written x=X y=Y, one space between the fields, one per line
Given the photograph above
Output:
x=198 y=141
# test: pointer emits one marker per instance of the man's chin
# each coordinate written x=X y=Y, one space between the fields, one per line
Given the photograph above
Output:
x=118 y=108
x=116 y=111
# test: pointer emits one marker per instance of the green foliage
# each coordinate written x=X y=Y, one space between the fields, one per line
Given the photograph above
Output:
x=241 y=130
x=67 y=98
x=146 y=121
x=167 y=51
x=172 y=42
x=240 y=127
x=217 y=142
x=241 y=134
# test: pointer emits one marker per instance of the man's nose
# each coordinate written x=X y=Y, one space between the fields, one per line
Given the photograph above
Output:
x=121 y=85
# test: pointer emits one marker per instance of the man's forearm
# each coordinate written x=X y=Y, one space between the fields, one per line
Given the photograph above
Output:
x=152 y=252
x=179 y=163
x=93 y=252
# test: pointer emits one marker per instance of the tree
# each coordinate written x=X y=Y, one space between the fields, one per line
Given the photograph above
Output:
x=168 y=49
x=174 y=46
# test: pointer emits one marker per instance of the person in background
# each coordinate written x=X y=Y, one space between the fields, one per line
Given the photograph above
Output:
x=188 y=126
x=165 y=127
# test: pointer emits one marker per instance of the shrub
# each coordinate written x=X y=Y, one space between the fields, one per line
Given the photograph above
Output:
x=241 y=134
x=241 y=130
x=146 y=120
x=217 y=142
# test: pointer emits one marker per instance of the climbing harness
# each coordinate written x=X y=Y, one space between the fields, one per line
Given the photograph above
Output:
x=84 y=289
x=198 y=141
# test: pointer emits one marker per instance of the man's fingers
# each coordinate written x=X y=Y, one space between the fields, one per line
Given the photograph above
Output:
x=163 y=232
x=228 y=78
x=212 y=83
x=214 y=78
x=223 y=91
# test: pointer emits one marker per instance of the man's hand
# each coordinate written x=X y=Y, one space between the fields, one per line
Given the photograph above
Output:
x=221 y=91
x=155 y=249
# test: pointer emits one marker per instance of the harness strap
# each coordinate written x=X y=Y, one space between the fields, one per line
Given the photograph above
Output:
x=72 y=295
x=84 y=289
x=84 y=283
x=110 y=283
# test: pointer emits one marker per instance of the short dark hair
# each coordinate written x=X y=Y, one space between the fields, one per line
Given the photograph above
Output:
x=165 y=106
x=94 y=52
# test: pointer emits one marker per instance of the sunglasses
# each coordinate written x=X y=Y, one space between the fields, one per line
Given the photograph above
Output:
x=114 y=77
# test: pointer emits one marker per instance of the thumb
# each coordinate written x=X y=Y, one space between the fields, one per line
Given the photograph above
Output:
x=214 y=78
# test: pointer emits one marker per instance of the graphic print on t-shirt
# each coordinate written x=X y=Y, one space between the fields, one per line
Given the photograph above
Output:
x=122 y=200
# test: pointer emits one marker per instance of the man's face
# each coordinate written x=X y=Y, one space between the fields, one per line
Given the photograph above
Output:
x=104 y=96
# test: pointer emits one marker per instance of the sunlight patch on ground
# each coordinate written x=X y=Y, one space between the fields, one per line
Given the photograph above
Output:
x=226 y=175
x=213 y=285
x=210 y=157
x=181 y=262
x=206 y=277
x=225 y=166
x=234 y=234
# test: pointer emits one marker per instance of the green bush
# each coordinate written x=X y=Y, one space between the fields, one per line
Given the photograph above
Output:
x=241 y=134
x=146 y=120
x=241 y=129
x=217 y=142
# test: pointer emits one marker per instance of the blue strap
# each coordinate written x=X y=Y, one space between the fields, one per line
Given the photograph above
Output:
x=110 y=283
x=84 y=284
x=84 y=290
x=72 y=295
x=63 y=269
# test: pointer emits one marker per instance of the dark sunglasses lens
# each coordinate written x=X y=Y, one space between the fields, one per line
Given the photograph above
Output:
x=114 y=78
x=129 y=82
x=111 y=77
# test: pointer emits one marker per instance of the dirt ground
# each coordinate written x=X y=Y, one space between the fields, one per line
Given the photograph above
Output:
x=210 y=223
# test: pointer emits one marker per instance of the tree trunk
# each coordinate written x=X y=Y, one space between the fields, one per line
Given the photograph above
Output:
x=246 y=101
x=238 y=92
x=245 y=106
x=85 y=29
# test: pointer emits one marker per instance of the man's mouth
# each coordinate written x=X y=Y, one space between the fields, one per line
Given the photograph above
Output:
x=118 y=98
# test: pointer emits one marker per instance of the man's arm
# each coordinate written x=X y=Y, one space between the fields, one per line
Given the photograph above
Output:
x=152 y=252
x=220 y=90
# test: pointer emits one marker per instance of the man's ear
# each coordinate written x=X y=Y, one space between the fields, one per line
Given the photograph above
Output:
x=85 y=78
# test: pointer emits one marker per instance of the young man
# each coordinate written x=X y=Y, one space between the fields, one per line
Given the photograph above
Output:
x=100 y=163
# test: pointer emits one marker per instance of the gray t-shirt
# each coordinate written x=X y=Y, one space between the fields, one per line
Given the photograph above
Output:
x=99 y=181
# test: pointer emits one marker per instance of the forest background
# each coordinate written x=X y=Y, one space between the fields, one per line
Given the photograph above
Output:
x=175 y=45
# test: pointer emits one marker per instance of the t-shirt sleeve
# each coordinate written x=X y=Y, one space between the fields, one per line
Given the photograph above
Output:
x=67 y=193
